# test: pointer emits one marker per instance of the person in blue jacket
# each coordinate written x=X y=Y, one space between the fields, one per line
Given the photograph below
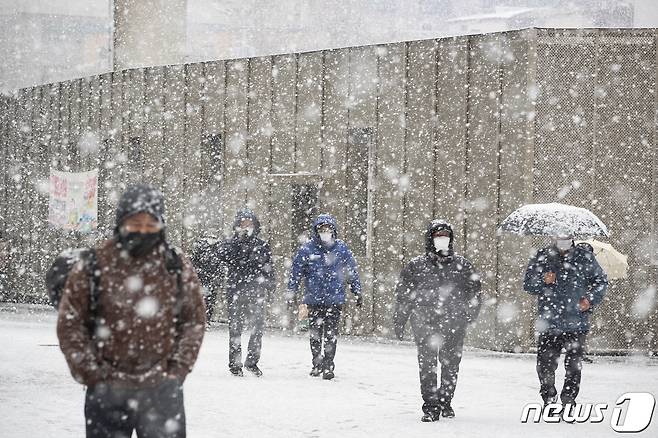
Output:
x=569 y=283
x=326 y=264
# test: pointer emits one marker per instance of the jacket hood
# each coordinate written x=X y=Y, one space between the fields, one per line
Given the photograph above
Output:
x=324 y=219
x=140 y=198
x=246 y=213
x=434 y=226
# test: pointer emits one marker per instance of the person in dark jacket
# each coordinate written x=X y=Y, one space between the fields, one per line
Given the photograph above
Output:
x=326 y=264
x=569 y=283
x=208 y=272
x=440 y=291
x=246 y=262
x=135 y=343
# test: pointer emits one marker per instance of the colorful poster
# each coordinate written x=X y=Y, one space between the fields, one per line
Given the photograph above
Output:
x=73 y=201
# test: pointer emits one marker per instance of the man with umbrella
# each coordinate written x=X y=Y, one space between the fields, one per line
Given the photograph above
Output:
x=569 y=284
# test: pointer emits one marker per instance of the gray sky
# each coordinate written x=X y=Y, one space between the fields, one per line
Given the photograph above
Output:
x=50 y=40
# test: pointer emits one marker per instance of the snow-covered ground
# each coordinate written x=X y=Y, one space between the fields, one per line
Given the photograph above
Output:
x=375 y=393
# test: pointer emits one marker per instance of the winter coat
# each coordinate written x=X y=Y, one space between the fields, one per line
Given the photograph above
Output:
x=203 y=255
x=439 y=291
x=144 y=328
x=137 y=341
x=245 y=262
x=578 y=275
x=325 y=269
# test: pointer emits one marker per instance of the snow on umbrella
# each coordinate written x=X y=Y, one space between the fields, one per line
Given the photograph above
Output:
x=614 y=263
x=553 y=220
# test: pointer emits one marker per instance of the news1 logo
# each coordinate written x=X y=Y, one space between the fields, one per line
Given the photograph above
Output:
x=632 y=413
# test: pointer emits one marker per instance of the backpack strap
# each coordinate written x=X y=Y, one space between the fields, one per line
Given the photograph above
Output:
x=174 y=265
x=90 y=261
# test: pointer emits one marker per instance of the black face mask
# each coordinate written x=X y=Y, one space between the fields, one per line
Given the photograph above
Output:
x=140 y=244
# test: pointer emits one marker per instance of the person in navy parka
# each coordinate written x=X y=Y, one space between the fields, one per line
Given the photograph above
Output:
x=569 y=283
x=326 y=264
x=246 y=262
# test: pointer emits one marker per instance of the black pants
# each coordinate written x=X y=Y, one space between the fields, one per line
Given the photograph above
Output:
x=445 y=347
x=112 y=412
x=210 y=300
x=323 y=326
x=549 y=348
x=245 y=312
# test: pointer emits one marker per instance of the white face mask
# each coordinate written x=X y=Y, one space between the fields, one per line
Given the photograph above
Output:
x=442 y=243
x=327 y=236
x=246 y=231
x=563 y=244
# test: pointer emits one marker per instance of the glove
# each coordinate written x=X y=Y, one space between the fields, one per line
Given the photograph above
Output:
x=302 y=312
x=399 y=332
x=359 y=301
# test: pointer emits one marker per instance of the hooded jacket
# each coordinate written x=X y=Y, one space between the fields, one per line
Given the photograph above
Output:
x=245 y=261
x=144 y=330
x=441 y=290
x=325 y=269
x=578 y=275
x=140 y=198
x=202 y=259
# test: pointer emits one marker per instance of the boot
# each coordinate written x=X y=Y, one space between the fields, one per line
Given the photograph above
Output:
x=430 y=417
x=447 y=411
x=254 y=370
x=550 y=400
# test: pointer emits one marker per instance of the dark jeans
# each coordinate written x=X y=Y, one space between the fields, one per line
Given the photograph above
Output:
x=210 y=300
x=243 y=312
x=549 y=348
x=323 y=326
x=112 y=412
x=433 y=348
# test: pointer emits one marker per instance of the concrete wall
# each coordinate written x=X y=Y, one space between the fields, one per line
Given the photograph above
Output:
x=385 y=138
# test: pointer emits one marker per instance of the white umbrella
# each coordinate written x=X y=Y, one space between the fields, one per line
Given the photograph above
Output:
x=554 y=220
x=614 y=263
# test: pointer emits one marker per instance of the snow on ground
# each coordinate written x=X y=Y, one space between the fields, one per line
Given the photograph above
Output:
x=375 y=393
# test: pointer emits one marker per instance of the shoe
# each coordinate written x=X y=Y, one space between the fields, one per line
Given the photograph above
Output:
x=447 y=411
x=315 y=372
x=430 y=417
x=550 y=400
x=236 y=371
x=567 y=415
x=254 y=370
x=328 y=375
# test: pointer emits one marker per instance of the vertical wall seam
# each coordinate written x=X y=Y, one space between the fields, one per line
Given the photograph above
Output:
x=435 y=133
x=295 y=113
x=405 y=162
x=467 y=139
x=247 y=139
x=323 y=71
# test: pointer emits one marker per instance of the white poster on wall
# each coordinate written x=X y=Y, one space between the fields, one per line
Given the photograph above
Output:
x=73 y=203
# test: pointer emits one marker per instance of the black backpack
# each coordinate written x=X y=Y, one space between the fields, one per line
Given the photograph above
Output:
x=64 y=262
x=59 y=272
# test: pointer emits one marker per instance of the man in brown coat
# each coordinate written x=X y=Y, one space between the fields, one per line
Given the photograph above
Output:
x=134 y=339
